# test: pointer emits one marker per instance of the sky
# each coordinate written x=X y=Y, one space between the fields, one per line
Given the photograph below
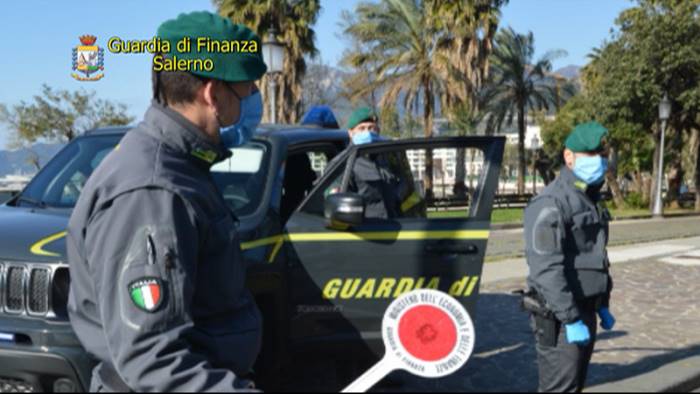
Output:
x=38 y=37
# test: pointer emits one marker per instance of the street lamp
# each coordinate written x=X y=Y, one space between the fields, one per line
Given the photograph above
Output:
x=664 y=114
x=535 y=144
x=273 y=56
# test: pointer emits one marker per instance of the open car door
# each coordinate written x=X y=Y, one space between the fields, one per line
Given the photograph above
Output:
x=345 y=270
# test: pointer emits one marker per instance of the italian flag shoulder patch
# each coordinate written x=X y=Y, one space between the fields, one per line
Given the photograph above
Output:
x=146 y=293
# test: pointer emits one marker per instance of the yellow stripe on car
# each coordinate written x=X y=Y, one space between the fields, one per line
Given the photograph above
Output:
x=409 y=235
x=260 y=242
x=38 y=247
x=276 y=249
x=278 y=240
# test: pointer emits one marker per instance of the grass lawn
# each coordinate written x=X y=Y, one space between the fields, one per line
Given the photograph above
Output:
x=511 y=215
x=515 y=215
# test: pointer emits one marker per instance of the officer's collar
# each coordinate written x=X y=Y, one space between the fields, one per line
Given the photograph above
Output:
x=570 y=179
x=179 y=133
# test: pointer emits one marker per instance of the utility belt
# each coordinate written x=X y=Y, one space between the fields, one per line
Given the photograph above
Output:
x=532 y=302
x=546 y=325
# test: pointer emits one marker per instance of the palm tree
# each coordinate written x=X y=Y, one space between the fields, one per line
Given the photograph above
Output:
x=398 y=39
x=292 y=22
x=464 y=120
x=468 y=28
x=467 y=32
x=517 y=86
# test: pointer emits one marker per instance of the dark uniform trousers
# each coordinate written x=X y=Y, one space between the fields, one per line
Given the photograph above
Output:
x=563 y=367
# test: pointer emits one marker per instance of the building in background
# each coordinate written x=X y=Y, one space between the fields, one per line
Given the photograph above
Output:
x=10 y=185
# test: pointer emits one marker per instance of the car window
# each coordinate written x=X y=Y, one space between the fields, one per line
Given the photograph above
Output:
x=455 y=179
x=319 y=161
x=60 y=182
x=410 y=183
x=72 y=189
x=301 y=171
x=245 y=160
x=330 y=182
x=241 y=178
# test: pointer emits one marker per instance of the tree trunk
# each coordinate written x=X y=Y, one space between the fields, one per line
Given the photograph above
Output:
x=521 y=149
x=613 y=184
x=265 y=91
x=471 y=174
x=33 y=160
x=675 y=179
x=428 y=131
x=675 y=168
x=460 y=189
x=696 y=150
x=544 y=167
x=647 y=187
x=638 y=182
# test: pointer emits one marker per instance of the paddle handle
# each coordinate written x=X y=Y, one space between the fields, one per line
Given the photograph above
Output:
x=371 y=377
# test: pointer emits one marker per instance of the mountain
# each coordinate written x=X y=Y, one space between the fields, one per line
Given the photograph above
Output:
x=569 y=72
x=323 y=84
x=18 y=161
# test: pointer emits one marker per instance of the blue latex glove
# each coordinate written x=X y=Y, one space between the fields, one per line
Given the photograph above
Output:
x=607 y=320
x=577 y=333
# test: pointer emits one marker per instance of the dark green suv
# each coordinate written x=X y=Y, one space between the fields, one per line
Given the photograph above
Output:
x=321 y=278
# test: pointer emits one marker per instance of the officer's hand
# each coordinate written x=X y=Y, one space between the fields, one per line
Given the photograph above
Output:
x=607 y=320
x=577 y=333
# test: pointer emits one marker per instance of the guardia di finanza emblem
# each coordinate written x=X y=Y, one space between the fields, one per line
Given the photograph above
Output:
x=88 y=59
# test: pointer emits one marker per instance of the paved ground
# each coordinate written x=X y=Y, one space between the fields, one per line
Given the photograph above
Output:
x=509 y=243
x=658 y=318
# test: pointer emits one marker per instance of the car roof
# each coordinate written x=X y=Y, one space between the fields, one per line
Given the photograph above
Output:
x=109 y=130
x=293 y=134
x=299 y=134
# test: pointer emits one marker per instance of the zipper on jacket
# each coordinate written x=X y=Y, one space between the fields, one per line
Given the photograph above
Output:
x=151 y=250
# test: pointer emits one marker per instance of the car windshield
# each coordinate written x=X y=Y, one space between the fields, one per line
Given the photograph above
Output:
x=59 y=183
x=241 y=178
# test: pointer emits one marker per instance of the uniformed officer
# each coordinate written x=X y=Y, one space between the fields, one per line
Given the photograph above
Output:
x=157 y=276
x=372 y=177
x=566 y=235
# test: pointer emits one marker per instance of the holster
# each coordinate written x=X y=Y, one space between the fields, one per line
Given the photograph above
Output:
x=546 y=325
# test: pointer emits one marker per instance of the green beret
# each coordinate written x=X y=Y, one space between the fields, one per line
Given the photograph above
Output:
x=362 y=114
x=586 y=137
x=231 y=66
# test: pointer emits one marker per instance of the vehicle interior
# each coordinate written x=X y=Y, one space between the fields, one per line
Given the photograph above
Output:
x=303 y=167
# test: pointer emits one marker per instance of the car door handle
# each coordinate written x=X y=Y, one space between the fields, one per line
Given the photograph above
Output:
x=451 y=249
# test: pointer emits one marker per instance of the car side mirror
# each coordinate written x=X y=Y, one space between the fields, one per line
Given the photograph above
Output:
x=344 y=209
